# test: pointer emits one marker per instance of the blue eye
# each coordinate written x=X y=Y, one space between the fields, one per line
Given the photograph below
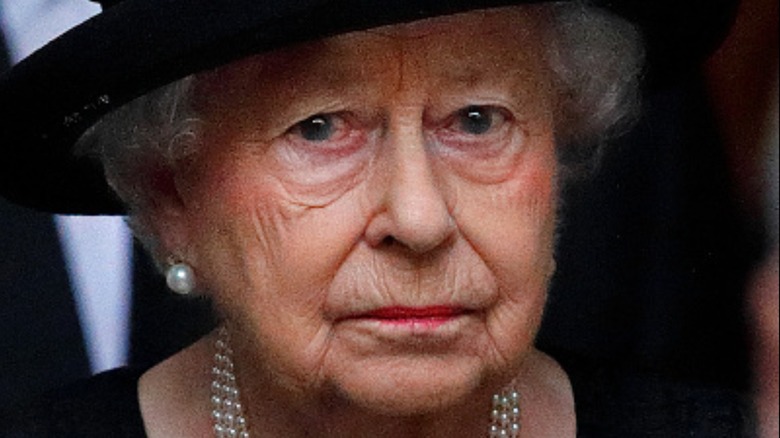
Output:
x=316 y=128
x=475 y=120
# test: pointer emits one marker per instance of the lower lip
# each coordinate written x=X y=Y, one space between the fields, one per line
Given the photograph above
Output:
x=423 y=323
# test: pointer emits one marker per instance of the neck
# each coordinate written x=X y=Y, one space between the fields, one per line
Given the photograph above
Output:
x=334 y=416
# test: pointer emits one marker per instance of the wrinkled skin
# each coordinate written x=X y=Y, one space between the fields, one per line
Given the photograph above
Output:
x=412 y=166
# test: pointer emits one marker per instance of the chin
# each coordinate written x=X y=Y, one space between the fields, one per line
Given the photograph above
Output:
x=411 y=386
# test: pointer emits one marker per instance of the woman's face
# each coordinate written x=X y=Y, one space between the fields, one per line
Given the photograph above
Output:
x=374 y=213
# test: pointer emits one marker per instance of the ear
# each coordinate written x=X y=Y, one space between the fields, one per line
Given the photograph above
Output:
x=166 y=215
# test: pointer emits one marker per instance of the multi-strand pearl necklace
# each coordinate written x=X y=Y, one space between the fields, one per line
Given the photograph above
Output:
x=228 y=414
x=505 y=415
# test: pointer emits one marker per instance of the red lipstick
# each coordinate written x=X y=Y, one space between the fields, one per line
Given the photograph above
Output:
x=430 y=312
x=419 y=317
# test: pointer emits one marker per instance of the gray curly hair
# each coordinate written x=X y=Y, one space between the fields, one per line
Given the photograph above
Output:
x=595 y=57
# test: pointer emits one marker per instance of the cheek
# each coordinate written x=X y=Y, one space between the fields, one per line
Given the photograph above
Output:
x=512 y=224
x=259 y=238
x=270 y=261
x=225 y=246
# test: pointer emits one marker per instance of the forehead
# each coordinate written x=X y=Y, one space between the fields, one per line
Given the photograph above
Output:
x=452 y=51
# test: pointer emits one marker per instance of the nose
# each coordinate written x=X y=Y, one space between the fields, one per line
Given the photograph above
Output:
x=414 y=211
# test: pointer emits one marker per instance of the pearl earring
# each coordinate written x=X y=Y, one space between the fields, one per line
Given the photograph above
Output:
x=180 y=278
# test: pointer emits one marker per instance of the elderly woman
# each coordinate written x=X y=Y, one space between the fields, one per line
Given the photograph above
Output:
x=367 y=194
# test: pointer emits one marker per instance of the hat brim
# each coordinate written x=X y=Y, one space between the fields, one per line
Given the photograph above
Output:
x=52 y=97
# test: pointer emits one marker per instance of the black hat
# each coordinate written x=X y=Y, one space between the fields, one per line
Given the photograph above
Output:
x=134 y=46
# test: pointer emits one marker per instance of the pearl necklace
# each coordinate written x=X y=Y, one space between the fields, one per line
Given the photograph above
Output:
x=505 y=415
x=227 y=412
